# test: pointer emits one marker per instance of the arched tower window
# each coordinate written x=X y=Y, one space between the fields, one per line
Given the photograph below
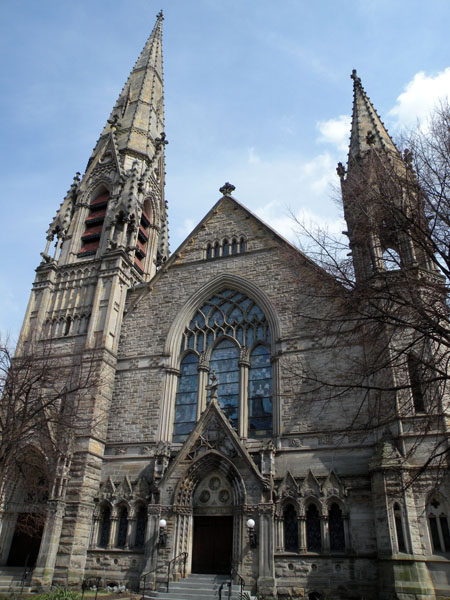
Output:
x=90 y=240
x=186 y=398
x=142 y=238
x=231 y=334
x=399 y=528
x=290 y=524
x=391 y=259
x=439 y=529
x=313 y=533
x=105 y=526
x=336 y=528
x=122 y=527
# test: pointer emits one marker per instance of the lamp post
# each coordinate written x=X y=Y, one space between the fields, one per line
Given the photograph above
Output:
x=162 y=539
x=251 y=533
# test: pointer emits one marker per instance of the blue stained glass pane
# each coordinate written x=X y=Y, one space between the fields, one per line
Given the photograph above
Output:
x=229 y=376
x=217 y=317
x=227 y=293
x=209 y=338
x=260 y=351
x=191 y=342
x=199 y=320
x=260 y=388
x=260 y=335
x=183 y=428
x=236 y=315
x=240 y=335
x=255 y=311
x=200 y=342
x=250 y=337
x=246 y=303
x=189 y=359
x=185 y=413
x=237 y=296
x=187 y=384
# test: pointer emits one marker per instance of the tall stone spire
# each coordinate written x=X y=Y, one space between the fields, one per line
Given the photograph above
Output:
x=137 y=118
x=368 y=131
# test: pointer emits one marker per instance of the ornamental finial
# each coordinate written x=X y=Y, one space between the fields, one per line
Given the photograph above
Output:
x=227 y=189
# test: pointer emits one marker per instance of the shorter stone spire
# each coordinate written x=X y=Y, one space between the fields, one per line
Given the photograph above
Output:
x=368 y=131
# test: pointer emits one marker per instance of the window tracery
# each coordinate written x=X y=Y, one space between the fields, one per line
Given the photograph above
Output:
x=438 y=524
x=229 y=336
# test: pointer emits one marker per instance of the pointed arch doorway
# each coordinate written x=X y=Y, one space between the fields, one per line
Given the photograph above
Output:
x=212 y=545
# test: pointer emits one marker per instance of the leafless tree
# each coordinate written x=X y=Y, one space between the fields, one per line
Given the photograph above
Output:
x=397 y=207
x=41 y=392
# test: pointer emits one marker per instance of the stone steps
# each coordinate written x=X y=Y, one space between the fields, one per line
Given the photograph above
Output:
x=195 y=586
x=11 y=580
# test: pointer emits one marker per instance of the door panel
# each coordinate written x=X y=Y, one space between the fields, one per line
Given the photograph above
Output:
x=212 y=545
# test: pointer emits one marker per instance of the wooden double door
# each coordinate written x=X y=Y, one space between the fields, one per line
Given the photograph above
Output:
x=212 y=544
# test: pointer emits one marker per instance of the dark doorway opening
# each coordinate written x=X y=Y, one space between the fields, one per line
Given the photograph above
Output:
x=26 y=540
x=213 y=544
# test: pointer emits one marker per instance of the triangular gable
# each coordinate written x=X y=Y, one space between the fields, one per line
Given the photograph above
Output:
x=106 y=158
x=288 y=487
x=213 y=433
x=333 y=485
x=143 y=289
x=310 y=486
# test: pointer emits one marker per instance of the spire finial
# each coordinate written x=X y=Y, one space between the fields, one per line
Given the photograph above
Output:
x=355 y=77
x=160 y=16
x=227 y=189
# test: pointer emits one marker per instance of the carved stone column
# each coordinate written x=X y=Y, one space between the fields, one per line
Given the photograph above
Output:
x=113 y=531
x=303 y=546
x=266 y=577
x=203 y=371
x=324 y=533
x=45 y=564
x=95 y=531
x=244 y=365
x=151 y=543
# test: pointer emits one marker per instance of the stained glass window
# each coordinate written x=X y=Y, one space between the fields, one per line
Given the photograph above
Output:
x=439 y=530
x=226 y=325
x=260 y=392
x=186 y=398
x=225 y=363
x=336 y=529
x=313 y=534
x=290 y=529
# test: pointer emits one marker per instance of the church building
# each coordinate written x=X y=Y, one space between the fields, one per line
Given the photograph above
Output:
x=209 y=442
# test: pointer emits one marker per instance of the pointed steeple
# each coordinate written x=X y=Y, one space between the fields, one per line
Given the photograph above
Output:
x=368 y=131
x=137 y=119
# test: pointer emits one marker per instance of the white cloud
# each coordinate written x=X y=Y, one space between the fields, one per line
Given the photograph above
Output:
x=421 y=95
x=335 y=132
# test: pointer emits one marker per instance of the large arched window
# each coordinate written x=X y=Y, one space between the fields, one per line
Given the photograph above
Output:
x=122 y=527
x=229 y=334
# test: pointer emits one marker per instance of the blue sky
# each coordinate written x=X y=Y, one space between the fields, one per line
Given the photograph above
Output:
x=257 y=93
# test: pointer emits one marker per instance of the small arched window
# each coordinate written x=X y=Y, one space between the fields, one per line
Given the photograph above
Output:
x=336 y=529
x=209 y=251
x=105 y=526
x=141 y=527
x=225 y=248
x=122 y=527
x=313 y=532
x=399 y=528
x=290 y=524
x=242 y=245
x=234 y=246
x=438 y=523
x=186 y=398
x=216 y=250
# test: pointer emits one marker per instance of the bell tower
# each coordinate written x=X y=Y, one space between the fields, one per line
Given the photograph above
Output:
x=110 y=231
x=383 y=206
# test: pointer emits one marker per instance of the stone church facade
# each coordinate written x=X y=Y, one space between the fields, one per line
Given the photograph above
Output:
x=213 y=440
